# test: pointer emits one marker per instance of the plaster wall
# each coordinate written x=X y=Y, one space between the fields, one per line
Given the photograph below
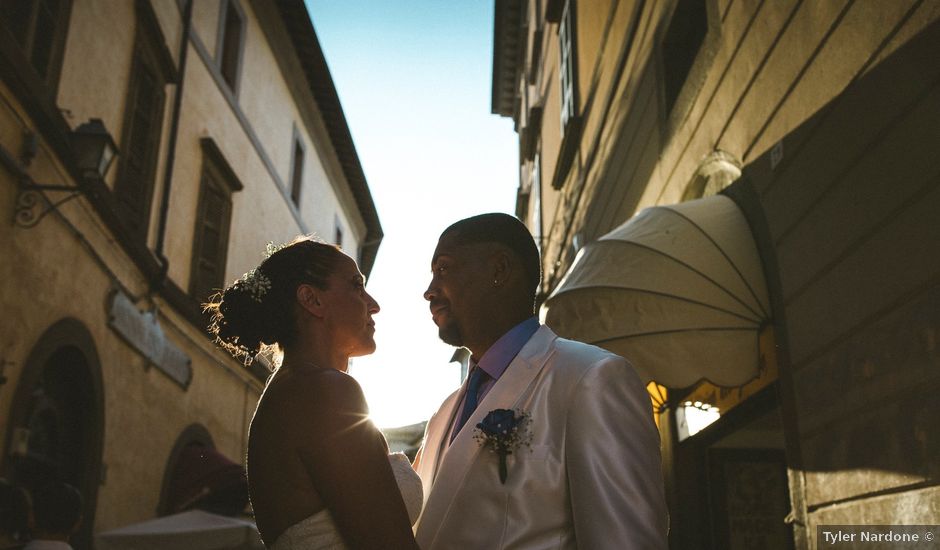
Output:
x=49 y=275
x=206 y=19
x=764 y=69
x=263 y=103
x=268 y=103
x=264 y=107
x=260 y=212
x=70 y=263
x=98 y=90
x=848 y=92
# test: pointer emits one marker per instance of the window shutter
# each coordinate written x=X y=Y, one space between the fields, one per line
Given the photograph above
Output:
x=214 y=214
x=39 y=27
x=231 y=45
x=44 y=35
x=213 y=220
x=135 y=186
x=297 y=173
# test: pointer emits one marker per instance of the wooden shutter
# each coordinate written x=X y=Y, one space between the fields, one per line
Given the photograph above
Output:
x=44 y=35
x=297 y=173
x=39 y=27
x=143 y=118
x=211 y=238
x=231 y=45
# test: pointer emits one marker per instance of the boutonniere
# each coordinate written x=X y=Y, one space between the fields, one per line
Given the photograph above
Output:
x=503 y=431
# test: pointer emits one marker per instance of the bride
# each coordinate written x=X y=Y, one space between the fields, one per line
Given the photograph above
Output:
x=319 y=472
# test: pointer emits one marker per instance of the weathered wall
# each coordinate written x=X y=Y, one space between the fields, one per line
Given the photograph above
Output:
x=70 y=264
x=852 y=209
x=831 y=108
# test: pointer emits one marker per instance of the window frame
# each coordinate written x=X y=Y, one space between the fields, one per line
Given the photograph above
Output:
x=676 y=94
x=569 y=100
x=296 y=179
x=149 y=55
x=337 y=233
x=216 y=173
x=567 y=66
x=222 y=41
x=535 y=192
x=26 y=48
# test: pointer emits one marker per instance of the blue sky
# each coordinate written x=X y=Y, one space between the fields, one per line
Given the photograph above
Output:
x=414 y=78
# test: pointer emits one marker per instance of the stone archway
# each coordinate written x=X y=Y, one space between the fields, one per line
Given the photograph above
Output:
x=194 y=435
x=57 y=418
x=198 y=476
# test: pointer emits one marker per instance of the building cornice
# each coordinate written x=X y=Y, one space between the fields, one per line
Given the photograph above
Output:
x=304 y=39
x=507 y=53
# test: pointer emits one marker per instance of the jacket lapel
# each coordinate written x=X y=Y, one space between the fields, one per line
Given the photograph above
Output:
x=435 y=440
x=456 y=461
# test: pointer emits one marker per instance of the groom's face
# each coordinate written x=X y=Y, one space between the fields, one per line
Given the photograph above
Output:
x=458 y=289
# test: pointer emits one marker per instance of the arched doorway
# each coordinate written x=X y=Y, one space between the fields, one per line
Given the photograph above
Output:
x=198 y=476
x=57 y=419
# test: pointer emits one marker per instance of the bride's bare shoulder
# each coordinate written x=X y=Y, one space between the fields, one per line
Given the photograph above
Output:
x=315 y=390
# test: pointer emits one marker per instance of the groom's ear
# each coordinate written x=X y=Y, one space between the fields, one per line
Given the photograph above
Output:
x=502 y=267
x=309 y=298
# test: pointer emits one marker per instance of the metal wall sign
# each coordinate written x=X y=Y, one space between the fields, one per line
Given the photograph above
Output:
x=142 y=331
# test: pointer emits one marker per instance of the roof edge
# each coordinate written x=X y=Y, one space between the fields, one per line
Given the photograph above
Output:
x=304 y=39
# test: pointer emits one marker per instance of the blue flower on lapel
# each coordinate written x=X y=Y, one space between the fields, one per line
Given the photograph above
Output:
x=503 y=431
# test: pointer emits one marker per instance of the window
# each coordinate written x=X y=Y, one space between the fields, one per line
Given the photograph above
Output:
x=568 y=73
x=140 y=144
x=566 y=65
x=231 y=37
x=297 y=171
x=683 y=39
x=39 y=27
x=522 y=195
x=531 y=132
x=535 y=189
x=213 y=218
x=529 y=198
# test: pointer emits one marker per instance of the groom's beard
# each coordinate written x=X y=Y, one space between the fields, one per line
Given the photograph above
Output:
x=450 y=334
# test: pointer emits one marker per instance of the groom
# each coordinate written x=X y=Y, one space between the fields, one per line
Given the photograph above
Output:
x=583 y=469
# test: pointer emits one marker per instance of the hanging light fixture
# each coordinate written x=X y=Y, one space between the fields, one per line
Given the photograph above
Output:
x=94 y=149
x=93 y=152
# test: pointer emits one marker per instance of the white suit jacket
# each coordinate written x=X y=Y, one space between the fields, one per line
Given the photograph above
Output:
x=592 y=477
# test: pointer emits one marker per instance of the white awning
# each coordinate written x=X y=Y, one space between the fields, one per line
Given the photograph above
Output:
x=194 y=530
x=678 y=290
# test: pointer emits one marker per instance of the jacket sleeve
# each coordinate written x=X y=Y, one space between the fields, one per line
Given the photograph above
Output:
x=613 y=459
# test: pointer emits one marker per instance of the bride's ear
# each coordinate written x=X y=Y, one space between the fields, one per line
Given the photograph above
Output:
x=309 y=298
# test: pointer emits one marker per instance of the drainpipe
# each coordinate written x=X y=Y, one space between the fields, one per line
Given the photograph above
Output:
x=171 y=148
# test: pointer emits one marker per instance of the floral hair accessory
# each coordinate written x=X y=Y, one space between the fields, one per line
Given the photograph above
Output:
x=503 y=431
x=271 y=249
x=256 y=283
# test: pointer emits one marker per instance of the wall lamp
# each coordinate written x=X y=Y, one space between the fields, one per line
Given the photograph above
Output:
x=93 y=152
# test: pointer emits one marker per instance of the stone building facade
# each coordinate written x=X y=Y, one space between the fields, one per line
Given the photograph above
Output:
x=819 y=120
x=229 y=134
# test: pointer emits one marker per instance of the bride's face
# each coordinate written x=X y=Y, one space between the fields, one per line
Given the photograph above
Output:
x=350 y=309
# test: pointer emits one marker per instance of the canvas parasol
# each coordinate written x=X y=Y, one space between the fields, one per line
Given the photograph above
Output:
x=678 y=290
x=193 y=530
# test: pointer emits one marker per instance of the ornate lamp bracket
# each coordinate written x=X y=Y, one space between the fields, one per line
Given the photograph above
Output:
x=32 y=206
x=93 y=151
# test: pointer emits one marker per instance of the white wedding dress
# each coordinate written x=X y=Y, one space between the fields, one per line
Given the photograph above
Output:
x=318 y=532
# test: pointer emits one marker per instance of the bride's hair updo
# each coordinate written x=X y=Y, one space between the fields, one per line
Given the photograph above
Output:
x=258 y=309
